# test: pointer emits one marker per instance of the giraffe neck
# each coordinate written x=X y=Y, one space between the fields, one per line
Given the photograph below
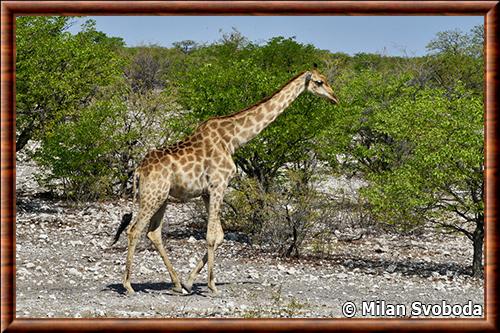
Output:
x=255 y=119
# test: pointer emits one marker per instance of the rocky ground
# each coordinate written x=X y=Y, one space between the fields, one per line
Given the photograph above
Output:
x=67 y=268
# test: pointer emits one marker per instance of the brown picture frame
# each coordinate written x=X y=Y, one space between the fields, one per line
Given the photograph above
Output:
x=9 y=9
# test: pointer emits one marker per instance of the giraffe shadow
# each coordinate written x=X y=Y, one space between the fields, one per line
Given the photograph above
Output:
x=28 y=205
x=197 y=234
x=185 y=234
x=200 y=289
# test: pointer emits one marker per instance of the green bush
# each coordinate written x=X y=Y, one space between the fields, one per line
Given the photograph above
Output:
x=58 y=73
x=78 y=154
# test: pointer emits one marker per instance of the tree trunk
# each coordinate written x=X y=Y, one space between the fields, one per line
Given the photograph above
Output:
x=24 y=137
x=293 y=245
x=478 y=240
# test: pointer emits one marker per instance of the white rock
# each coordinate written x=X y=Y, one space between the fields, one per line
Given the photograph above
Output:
x=192 y=262
x=391 y=268
x=191 y=239
x=30 y=265
x=144 y=270
x=100 y=313
x=74 y=271
x=439 y=286
x=75 y=243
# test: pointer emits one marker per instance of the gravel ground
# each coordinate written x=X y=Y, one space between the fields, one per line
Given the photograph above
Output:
x=66 y=268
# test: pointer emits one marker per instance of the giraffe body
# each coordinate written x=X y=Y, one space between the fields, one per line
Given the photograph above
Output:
x=202 y=165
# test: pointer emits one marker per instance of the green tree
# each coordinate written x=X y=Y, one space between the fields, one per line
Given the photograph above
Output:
x=352 y=143
x=94 y=155
x=441 y=180
x=421 y=151
x=80 y=153
x=151 y=67
x=69 y=89
x=457 y=56
x=57 y=72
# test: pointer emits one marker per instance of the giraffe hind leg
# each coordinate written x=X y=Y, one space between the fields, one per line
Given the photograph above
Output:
x=133 y=233
x=154 y=235
x=146 y=211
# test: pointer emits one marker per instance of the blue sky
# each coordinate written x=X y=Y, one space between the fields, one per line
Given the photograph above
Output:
x=390 y=35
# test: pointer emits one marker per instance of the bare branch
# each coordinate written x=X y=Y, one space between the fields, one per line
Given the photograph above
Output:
x=467 y=233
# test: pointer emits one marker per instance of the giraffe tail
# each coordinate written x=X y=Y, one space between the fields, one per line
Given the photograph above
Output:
x=125 y=222
x=127 y=217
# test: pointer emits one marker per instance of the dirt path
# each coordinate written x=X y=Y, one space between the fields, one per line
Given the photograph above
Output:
x=65 y=268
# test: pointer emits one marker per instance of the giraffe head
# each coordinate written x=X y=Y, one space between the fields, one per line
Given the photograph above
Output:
x=316 y=83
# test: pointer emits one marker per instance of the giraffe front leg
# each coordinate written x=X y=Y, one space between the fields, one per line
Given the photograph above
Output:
x=215 y=236
x=211 y=277
x=188 y=286
x=219 y=238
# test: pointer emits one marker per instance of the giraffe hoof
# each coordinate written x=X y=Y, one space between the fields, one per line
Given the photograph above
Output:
x=129 y=289
x=215 y=294
x=187 y=286
x=213 y=291
x=178 y=290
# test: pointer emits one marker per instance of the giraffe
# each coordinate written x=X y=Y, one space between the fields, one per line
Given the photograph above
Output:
x=202 y=165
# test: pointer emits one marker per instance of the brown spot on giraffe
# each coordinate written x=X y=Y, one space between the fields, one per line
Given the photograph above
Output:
x=197 y=169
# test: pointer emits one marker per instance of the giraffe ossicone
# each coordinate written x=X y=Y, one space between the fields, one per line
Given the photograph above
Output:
x=202 y=165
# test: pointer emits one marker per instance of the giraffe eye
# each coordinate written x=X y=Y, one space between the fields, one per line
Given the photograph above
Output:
x=319 y=82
